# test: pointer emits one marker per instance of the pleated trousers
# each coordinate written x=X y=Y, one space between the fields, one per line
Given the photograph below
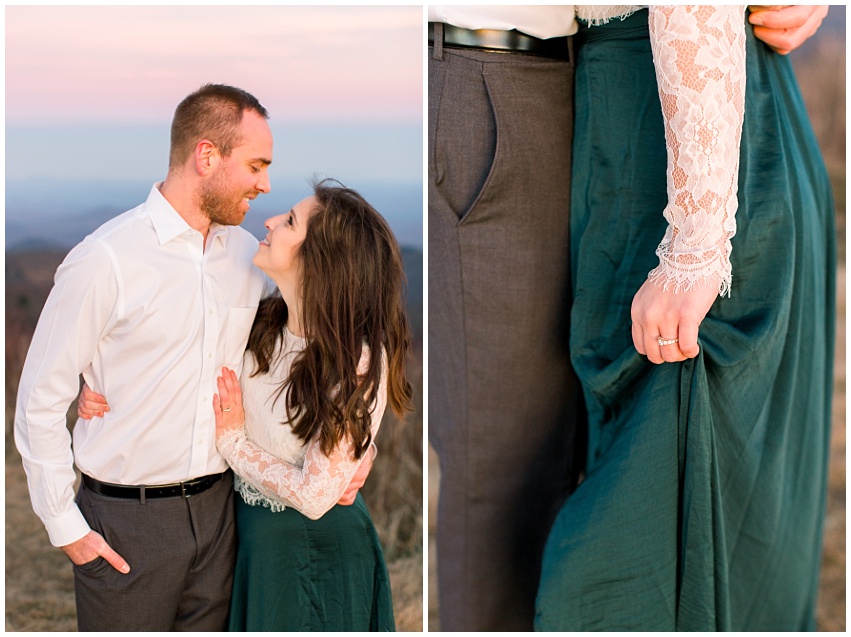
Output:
x=504 y=404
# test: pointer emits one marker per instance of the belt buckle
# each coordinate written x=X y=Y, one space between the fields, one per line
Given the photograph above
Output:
x=183 y=491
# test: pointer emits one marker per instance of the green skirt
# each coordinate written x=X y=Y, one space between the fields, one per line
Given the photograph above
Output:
x=703 y=501
x=297 y=574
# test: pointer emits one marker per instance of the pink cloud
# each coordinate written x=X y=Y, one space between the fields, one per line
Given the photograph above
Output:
x=125 y=64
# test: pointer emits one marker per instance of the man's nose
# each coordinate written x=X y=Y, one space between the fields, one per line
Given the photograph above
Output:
x=263 y=184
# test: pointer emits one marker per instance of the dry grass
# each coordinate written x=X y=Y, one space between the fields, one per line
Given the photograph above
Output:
x=831 y=603
x=433 y=485
x=39 y=582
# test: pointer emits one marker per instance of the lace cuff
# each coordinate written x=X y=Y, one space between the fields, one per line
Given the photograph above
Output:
x=699 y=55
x=311 y=489
x=314 y=487
x=598 y=14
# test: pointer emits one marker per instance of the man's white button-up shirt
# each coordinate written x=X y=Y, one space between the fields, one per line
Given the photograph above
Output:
x=541 y=21
x=149 y=317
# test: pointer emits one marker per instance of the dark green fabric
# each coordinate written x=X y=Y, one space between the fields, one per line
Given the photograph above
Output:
x=298 y=574
x=703 y=503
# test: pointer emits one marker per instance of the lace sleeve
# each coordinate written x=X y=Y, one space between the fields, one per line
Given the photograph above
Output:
x=312 y=488
x=699 y=55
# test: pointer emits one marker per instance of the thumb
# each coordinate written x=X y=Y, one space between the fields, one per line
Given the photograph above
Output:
x=117 y=562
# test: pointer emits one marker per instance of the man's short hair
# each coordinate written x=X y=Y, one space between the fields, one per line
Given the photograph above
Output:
x=212 y=112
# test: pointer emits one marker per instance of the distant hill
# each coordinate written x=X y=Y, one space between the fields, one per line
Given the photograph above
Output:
x=63 y=213
x=30 y=271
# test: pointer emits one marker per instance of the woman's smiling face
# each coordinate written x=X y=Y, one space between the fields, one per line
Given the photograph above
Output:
x=277 y=255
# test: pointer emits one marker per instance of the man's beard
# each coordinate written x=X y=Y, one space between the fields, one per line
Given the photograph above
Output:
x=221 y=205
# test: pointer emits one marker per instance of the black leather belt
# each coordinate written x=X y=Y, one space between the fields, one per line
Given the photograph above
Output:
x=143 y=492
x=513 y=41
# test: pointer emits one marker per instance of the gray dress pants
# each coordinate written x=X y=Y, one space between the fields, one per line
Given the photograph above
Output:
x=504 y=404
x=181 y=554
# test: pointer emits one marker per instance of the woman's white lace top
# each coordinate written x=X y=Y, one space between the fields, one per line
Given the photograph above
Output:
x=272 y=466
x=699 y=55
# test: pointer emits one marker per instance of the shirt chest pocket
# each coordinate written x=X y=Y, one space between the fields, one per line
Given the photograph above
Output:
x=237 y=329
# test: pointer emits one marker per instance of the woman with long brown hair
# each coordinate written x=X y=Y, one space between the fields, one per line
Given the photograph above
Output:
x=324 y=359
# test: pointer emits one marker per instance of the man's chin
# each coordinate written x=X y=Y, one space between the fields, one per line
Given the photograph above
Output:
x=231 y=219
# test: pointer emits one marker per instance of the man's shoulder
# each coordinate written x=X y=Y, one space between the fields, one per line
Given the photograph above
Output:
x=124 y=226
x=97 y=249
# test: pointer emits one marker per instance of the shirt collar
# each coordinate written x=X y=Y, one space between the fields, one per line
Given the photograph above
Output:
x=168 y=224
x=220 y=231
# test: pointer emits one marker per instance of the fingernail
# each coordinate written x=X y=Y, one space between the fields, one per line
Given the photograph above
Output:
x=125 y=569
x=756 y=19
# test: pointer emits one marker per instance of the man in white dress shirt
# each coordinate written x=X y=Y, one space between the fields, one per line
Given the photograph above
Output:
x=505 y=413
x=148 y=309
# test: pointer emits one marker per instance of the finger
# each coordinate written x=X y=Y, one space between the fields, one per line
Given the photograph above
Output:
x=92 y=396
x=638 y=339
x=86 y=413
x=217 y=411
x=230 y=382
x=671 y=352
x=789 y=17
x=778 y=41
x=93 y=407
x=224 y=396
x=237 y=391
x=688 y=338
x=785 y=40
x=651 y=346
x=117 y=562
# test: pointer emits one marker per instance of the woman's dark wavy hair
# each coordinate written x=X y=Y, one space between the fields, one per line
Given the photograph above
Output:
x=352 y=295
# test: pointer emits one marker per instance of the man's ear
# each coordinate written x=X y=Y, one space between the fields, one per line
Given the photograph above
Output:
x=207 y=157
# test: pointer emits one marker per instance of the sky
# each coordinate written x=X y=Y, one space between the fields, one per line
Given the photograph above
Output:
x=90 y=92
x=132 y=64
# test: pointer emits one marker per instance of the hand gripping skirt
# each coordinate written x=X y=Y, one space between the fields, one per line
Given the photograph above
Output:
x=298 y=574
x=703 y=501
